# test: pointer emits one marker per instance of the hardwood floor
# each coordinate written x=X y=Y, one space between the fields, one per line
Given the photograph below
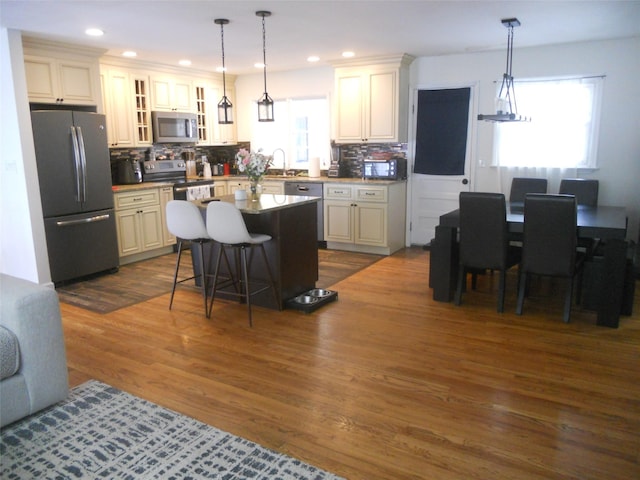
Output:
x=385 y=383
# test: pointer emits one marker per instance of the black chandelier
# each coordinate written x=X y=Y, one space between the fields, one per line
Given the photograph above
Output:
x=506 y=108
x=225 y=107
x=265 y=104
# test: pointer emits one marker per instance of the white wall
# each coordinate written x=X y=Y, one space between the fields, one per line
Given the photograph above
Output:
x=23 y=248
x=619 y=146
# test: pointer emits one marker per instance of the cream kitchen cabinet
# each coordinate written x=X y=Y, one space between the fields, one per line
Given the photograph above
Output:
x=372 y=101
x=166 y=195
x=57 y=74
x=172 y=93
x=365 y=217
x=118 y=105
x=268 y=186
x=210 y=132
x=139 y=223
x=273 y=186
x=219 y=188
x=233 y=185
x=127 y=103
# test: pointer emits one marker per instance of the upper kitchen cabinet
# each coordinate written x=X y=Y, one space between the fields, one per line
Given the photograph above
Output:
x=171 y=93
x=62 y=74
x=372 y=98
x=126 y=100
x=210 y=132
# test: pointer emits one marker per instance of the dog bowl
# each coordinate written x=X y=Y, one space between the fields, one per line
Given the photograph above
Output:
x=319 y=292
x=305 y=299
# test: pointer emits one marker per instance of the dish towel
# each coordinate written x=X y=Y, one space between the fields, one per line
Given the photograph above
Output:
x=198 y=193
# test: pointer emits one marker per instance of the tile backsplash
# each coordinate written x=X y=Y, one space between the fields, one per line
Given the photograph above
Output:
x=221 y=154
x=348 y=158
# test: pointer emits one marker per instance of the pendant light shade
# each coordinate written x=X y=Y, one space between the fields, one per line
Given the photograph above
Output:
x=225 y=107
x=265 y=104
x=506 y=108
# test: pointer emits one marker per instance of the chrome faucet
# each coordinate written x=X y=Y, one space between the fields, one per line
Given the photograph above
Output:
x=284 y=163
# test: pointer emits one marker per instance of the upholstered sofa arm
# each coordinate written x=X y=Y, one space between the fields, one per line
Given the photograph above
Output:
x=32 y=313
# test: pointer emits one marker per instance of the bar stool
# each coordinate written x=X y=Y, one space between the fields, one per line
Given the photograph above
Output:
x=226 y=226
x=184 y=220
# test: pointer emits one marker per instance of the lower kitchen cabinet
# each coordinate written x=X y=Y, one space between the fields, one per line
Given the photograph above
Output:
x=140 y=225
x=233 y=185
x=166 y=195
x=273 y=187
x=365 y=218
x=220 y=188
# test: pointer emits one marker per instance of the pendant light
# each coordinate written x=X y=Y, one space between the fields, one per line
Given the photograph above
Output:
x=265 y=104
x=506 y=108
x=225 y=107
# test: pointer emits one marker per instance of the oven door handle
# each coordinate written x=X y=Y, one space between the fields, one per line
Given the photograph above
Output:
x=180 y=189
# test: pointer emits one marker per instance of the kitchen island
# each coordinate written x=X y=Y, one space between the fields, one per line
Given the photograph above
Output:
x=292 y=252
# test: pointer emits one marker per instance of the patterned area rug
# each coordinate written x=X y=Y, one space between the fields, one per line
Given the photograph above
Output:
x=102 y=432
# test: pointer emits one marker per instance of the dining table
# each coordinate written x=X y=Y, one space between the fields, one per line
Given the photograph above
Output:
x=606 y=223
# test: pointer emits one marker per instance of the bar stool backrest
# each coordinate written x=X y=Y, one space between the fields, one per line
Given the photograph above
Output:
x=226 y=225
x=184 y=220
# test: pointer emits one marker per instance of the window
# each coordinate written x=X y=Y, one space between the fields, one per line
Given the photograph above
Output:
x=300 y=128
x=563 y=132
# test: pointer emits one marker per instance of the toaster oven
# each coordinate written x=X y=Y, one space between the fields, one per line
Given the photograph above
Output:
x=392 y=169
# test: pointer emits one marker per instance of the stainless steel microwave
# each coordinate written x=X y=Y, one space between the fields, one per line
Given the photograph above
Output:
x=174 y=127
x=393 y=169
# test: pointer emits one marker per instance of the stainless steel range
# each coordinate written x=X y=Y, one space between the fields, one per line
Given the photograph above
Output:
x=175 y=171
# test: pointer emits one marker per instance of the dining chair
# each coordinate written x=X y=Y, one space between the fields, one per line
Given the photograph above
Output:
x=484 y=240
x=185 y=222
x=520 y=186
x=226 y=226
x=549 y=244
x=585 y=190
x=586 y=193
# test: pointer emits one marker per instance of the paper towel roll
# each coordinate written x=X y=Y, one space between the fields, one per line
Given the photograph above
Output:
x=314 y=167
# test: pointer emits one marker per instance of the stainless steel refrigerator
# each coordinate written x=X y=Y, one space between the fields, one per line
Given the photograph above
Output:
x=74 y=173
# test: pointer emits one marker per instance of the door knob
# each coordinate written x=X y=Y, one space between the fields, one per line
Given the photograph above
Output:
x=465 y=181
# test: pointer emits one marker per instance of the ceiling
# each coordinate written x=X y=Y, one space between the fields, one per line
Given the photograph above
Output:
x=167 y=31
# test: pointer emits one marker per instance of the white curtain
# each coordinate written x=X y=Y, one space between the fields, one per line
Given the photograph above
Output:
x=553 y=176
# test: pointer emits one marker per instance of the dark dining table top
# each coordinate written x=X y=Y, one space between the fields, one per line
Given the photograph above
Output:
x=603 y=222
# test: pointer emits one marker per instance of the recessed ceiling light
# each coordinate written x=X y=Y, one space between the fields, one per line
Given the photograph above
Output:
x=94 y=32
x=129 y=53
x=348 y=54
x=313 y=58
x=185 y=63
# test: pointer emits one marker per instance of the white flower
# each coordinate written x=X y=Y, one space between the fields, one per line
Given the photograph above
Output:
x=254 y=164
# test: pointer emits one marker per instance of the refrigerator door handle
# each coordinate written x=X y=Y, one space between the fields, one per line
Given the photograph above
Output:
x=78 y=163
x=96 y=218
x=83 y=162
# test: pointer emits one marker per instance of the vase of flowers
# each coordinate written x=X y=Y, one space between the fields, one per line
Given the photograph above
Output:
x=255 y=165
